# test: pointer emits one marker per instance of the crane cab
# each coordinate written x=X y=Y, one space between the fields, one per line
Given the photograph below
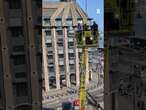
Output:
x=87 y=37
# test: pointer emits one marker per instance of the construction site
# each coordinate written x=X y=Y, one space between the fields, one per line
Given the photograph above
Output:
x=51 y=58
x=72 y=60
x=80 y=78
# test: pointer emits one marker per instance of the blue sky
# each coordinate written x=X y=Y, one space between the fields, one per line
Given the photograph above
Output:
x=92 y=6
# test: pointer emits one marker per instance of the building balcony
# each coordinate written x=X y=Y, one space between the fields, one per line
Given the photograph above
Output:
x=20 y=100
x=20 y=80
x=51 y=74
x=62 y=72
x=72 y=70
x=15 y=13
x=19 y=68
x=60 y=51
x=61 y=61
x=50 y=65
x=71 y=32
x=71 y=50
x=72 y=58
x=60 y=39
x=45 y=24
x=48 y=40
x=50 y=60
x=70 y=39
x=14 y=22
x=70 y=47
x=71 y=61
x=14 y=53
x=17 y=40
x=50 y=49
x=50 y=53
x=18 y=48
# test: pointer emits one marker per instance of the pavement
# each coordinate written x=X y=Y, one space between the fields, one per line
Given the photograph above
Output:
x=54 y=98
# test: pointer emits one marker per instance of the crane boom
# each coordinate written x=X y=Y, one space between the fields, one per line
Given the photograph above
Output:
x=82 y=80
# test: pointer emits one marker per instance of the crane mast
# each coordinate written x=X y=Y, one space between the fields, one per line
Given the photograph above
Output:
x=86 y=37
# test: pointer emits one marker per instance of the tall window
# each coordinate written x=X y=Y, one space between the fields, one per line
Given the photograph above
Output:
x=70 y=45
x=19 y=59
x=50 y=56
x=72 y=67
x=48 y=32
x=51 y=69
x=16 y=31
x=49 y=45
x=61 y=55
x=46 y=21
x=58 y=22
x=14 y=4
x=19 y=48
x=20 y=89
x=71 y=55
x=62 y=68
x=20 y=75
x=59 y=32
x=69 y=22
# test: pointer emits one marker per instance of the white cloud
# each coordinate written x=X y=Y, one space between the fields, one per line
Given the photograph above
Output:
x=98 y=11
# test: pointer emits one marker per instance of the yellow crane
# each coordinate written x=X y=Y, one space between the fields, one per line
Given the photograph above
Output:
x=86 y=37
x=89 y=37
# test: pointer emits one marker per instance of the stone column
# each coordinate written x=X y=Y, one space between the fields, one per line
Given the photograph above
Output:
x=66 y=57
x=77 y=60
x=35 y=85
x=56 y=58
x=45 y=64
x=5 y=60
